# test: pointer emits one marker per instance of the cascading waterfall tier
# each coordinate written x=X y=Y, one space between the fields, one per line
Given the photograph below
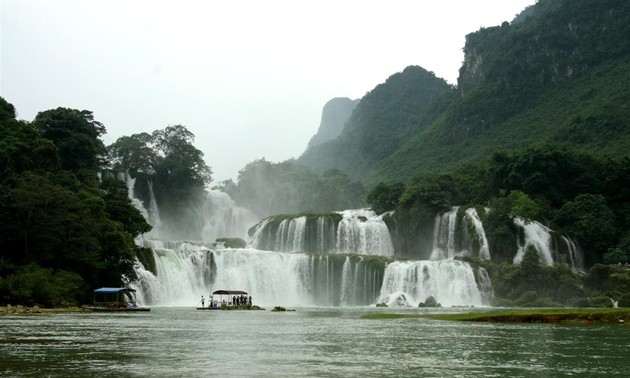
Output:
x=458 y=233
x=450 y=282
x=347 y=274
x=461 y=233
x=551 y=247
x=351 y=231
x=185 y=271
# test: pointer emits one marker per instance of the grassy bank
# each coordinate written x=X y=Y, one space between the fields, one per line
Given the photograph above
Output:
x=552 y=315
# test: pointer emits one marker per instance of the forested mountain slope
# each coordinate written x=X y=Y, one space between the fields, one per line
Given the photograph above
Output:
x=559 y=75
x=589 y=114
x=384 y=119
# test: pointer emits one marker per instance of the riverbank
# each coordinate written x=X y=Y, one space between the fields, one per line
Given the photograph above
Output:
x=547 y=315
x=19 y=309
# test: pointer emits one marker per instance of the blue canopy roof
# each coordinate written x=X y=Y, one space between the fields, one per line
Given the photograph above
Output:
x=110 y=290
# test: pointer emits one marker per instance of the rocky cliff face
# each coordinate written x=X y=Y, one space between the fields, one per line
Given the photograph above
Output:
x=508 y=66
x=550 y=42
x=334 y=116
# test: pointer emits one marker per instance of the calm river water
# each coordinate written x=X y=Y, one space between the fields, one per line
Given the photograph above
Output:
x=310 y=342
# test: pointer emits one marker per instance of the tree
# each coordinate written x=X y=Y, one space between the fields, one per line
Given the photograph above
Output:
x=384 y=197
x=167 y=161
x=589 y=219
x=22 y=148
x=60 y=233
x=76 y=135
x=549 y=171
x=281 y=188
x=133 y=154
x=179 y=157
x=119 y=208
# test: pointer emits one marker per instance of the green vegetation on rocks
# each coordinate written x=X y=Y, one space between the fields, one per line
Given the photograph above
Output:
x=555 y=315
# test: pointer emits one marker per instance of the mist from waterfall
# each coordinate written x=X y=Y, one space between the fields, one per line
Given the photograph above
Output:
x=216 y=215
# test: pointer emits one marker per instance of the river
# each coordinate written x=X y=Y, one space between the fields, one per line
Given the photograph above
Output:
x=309 y=342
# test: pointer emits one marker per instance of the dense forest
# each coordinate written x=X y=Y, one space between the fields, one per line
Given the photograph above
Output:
x=62 y=230
x=67 y=224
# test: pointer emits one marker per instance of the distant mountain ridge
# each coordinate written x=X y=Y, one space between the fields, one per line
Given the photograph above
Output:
x=334 y=117
x=383 y=119
x=559 y=73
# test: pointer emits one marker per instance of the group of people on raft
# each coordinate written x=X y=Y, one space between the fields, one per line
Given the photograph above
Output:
x=237 y=301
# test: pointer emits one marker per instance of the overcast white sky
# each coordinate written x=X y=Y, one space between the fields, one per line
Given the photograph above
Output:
x=248 y=78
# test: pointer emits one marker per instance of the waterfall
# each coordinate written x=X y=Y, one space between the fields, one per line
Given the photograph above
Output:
x=473 y=218
x=551 y=247
x=182 y=270
x=220 y=217
x=279 y=269
x=444 y=235
x=574 y=258
x=186 y=271
x=131 y=186
x=485 y=285
x=362 y=231
x=346 y=279
x=154 y=213
x=214 y=216
x=354 y=231
x=291 y=235
x=454 y=236
x=450 y=282
x=536 y=235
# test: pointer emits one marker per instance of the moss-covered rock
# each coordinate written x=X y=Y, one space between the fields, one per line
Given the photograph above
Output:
x=430 y=302
x=232 y=242
x=146 y=258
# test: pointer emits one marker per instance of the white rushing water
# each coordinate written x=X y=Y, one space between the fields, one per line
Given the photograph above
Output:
x=363 y=232
x=186 y=271
x=459 y=236
x=536 y=235
x=484 y=247
x=450 y=282
x=359 y=231
x=551 y=248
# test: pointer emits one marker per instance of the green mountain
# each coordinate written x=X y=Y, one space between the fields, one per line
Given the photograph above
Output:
x=382 y=121
x=558 y=74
